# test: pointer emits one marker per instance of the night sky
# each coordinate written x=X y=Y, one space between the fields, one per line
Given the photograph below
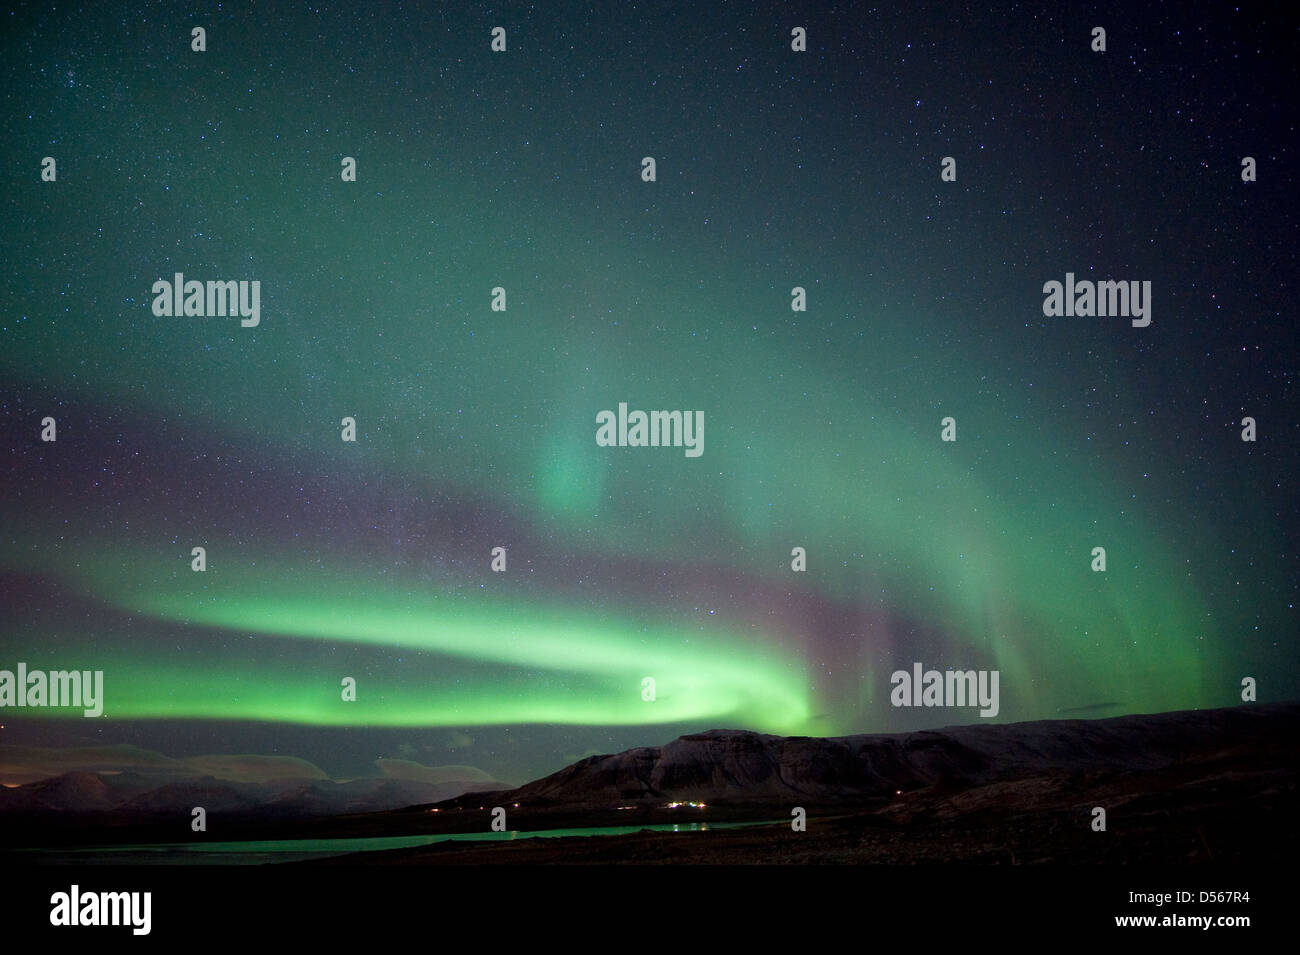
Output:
x=476 y=428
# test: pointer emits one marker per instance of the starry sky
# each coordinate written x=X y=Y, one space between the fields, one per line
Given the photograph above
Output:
x=476 y=428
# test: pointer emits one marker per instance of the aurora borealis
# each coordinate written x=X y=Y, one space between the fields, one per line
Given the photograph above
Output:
x=477 y=428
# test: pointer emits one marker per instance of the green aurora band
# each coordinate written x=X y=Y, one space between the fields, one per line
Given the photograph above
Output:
x=832 y=446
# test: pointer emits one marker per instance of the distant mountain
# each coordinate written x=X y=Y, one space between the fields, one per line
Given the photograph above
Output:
x=71 y=792
x=132 y=794
x=737 y=767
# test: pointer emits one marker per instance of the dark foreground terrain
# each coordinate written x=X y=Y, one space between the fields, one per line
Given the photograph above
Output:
x=1202 y=786
x=1199 y=787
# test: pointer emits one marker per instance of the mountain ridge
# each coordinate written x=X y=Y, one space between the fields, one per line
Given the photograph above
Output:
x=742 y=766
